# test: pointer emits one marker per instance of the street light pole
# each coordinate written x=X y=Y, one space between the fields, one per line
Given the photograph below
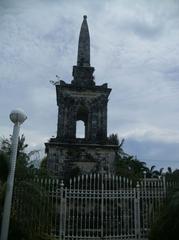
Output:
x=17 y=117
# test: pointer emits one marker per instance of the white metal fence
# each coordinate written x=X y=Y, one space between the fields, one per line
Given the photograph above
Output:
x=97 y=206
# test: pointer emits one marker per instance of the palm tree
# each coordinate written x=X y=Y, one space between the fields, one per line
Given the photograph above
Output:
x=172 y=175
x=130 y=166
x=169 y=170
x=154 y=173
x=161 y=171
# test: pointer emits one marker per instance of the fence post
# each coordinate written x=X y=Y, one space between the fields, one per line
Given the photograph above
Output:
x=102 y=207
x=61 y=229
x=137 y=212
x=164 y=186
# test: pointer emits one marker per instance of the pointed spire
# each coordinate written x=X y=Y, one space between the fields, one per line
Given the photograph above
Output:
x=84 y=45
x=83 y=72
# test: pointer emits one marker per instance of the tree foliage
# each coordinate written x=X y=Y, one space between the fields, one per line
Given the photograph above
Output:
x=4 y=167
x=34 y=196
x=35 y=214
x=130 y=167
x=166 y=225
x=127 y=165
x=113 y=139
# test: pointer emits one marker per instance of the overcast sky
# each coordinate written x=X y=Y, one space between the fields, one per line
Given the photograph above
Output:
x=134 y=48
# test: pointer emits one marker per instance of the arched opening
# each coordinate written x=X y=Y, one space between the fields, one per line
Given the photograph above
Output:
x=80 y=129
x=82 y=122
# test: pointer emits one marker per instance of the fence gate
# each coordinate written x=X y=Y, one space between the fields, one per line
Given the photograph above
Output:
x=101 y=207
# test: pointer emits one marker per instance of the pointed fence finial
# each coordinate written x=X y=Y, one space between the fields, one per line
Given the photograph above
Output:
x=61 y=184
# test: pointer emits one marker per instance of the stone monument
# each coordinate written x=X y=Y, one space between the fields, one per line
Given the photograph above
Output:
x=81 y=100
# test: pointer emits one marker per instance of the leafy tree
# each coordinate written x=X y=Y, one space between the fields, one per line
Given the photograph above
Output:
x=172 y=175
x=32 y=220
x=127 y=165
x=130 y=167
x=166 y=225
x=32 y=198
x=3 y=167
x=169 y=170
x=153 y=173
x=161 y=171
x=43 y=170
x=113 y=139
x=23 y=169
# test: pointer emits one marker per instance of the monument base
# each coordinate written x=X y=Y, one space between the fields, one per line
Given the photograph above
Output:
x=86 y=157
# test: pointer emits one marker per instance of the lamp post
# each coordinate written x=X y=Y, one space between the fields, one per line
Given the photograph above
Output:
x=17 y=117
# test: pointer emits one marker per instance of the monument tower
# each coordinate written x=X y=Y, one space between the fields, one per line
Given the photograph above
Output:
x=81 y=100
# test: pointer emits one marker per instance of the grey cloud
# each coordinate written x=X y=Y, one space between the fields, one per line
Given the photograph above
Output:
x=144 y=29
x=154 y=153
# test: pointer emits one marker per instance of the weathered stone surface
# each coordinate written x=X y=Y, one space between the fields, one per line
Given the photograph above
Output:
x=88 y=105
x=85 y=101
x=88 y=157
x=83 y=72
x=83 y=58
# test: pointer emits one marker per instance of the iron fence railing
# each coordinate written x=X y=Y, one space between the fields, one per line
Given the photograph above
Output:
x=95 y=206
